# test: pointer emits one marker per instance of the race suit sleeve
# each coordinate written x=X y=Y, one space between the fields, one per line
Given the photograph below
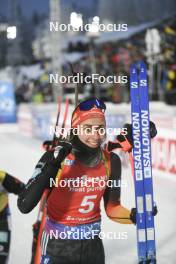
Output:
x=114 y=210
x=35 y=187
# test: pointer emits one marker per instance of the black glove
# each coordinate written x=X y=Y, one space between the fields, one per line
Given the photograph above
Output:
x=59 y=153
x=125 y=140
x=128 y=134
x=133 y=213
x=153 y=130
x=128 y=128
x=50 y=144
x=46 y=169
x=47 y=145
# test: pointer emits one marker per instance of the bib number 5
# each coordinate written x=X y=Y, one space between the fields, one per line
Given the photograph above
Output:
x=88 y=204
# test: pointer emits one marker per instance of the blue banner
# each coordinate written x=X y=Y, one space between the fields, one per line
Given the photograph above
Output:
x=7 y=103
x=41 y=122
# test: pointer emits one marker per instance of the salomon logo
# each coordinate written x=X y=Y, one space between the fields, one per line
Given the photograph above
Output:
x=134 y=84
x=143 y=82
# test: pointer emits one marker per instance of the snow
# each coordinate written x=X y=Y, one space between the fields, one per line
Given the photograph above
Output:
x=19 y=155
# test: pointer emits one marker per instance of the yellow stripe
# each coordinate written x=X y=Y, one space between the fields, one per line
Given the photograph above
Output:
x=3 y=201
x=2 y=176
x=59 y=172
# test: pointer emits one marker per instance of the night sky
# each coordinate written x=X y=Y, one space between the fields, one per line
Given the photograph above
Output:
x=28 y=6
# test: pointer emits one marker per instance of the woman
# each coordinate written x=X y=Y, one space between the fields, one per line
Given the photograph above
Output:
x=73 y=171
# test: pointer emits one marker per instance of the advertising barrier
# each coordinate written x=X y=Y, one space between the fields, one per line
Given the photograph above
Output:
x=7 y=103
x=38 y=121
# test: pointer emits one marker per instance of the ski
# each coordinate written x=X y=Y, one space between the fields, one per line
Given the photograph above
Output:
x=142 y=167
x=137 y=157
x=147 y=162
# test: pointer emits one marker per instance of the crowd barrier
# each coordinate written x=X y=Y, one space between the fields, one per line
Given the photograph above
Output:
x=39 y=120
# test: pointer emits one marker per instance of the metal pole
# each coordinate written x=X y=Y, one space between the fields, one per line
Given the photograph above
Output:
x=76 y=87
x=56 y=47
x=160 y=90
x=93 y=64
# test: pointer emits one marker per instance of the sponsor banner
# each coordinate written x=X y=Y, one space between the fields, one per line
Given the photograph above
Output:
x=25 y=120
x=42 y=123
x=7 y=103
x=164 y=154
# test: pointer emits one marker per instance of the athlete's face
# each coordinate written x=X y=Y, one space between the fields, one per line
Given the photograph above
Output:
x=92 y=132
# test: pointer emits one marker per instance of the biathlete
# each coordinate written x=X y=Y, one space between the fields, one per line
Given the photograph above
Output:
x=72 y=171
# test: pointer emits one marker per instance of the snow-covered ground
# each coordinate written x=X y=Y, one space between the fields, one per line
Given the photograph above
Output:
x=18 y=156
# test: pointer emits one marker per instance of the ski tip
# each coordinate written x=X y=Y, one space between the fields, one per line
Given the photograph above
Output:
x=142 y=66
x=133 y=69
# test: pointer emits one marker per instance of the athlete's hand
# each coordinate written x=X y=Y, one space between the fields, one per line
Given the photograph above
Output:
x=59 y=153
x=55 y=155
x=47 y=145
x=153 y=130
x=125 y=139
x=133 y=213
x=128 y=133
x=45 y=170
x=50 y=144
